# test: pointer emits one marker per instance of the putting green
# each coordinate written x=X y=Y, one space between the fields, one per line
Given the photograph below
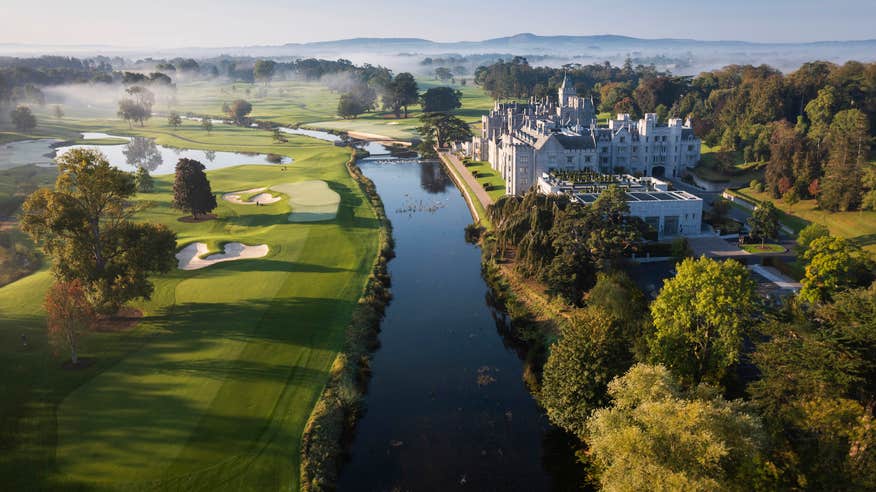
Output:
x=311 y=201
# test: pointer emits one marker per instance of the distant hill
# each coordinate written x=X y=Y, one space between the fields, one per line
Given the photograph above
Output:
x=683 y=56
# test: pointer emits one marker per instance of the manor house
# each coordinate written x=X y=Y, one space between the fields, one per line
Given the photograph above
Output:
x=522 y=141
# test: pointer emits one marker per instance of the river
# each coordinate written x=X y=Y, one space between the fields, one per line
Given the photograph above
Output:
x=446 y=407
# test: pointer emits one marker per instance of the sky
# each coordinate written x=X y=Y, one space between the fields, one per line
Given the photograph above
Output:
x=218 y=23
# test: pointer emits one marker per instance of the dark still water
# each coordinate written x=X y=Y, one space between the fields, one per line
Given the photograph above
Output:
x=446 y=407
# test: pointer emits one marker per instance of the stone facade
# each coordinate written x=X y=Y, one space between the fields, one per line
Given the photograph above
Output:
x=522 y=141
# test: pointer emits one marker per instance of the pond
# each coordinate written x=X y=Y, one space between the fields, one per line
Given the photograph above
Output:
x=158 y=159
x=25 y=152
x=446 y=407
x=137 y=152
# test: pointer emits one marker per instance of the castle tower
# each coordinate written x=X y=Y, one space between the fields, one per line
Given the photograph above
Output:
x=566 y=91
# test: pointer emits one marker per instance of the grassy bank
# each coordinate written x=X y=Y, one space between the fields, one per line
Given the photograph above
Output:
x=339 y=407
x=213 y=388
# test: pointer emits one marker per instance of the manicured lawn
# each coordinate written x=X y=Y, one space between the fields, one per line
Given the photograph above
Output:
x=212 y=389
x=488 y=178
x=766 y=248
x=740 y=171
x=858 y=226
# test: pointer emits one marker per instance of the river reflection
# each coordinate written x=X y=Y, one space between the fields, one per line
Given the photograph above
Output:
x=142 y=152
x=447 y=407
x=433 y=179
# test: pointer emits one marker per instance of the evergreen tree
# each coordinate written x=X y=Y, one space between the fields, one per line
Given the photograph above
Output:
x=191 y=189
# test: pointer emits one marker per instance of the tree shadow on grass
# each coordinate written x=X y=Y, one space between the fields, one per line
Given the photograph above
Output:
x=258 y=220
x=350 y=201
x=263 y=265
x=299 y=321
x=132 y=410
x=864 y=240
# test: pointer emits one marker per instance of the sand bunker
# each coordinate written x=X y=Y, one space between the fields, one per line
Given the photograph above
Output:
x=311 y=201
x=261 y=198
x=192 y=256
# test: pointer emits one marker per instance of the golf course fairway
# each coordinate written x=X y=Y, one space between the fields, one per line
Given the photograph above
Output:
x=212 y=388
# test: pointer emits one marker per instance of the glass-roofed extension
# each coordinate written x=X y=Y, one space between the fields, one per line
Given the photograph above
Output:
x=670 y=212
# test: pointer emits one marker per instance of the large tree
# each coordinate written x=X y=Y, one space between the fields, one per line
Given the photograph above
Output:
x=833 y=264
x=400 y=93
x=238 y=111
x=349 y=106
x=174 y=120
x=849 y=145
x=441 y=100
x=658 y=436
x=444 y=128
x=764 y=221
x=23 y=119
x=85 y=226
x=264 y=70
x=137 y=108
x=808 y=234
x=191 y=189
x=700 y=317
x=69 y=315
x=145 y=183
x=593 y=349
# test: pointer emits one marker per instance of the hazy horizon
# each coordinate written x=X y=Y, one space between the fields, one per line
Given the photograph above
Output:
x=220 y=23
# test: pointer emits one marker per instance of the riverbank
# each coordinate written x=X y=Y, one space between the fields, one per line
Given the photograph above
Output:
x=469 y=187
x=336 y=412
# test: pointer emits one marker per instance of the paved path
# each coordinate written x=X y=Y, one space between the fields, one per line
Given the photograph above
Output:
x=775 y=277
x=465 y=174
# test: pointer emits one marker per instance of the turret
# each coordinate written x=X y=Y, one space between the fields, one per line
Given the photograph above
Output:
x=566 y=91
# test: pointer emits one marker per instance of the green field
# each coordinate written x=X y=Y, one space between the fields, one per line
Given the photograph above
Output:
x=859 y=226
x=289 y=103
x=311 y=104
x=212 y=389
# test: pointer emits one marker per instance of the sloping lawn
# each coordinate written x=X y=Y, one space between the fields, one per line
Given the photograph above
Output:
x=213 y=387
x=859 y=226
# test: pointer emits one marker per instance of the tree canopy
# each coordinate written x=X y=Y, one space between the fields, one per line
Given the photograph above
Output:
x=264 y=70
x=593 y=349
x=238 y=111
x=440 y=100
x=817 y=384
x=85 y=226
x=23 y=119
x=764 y=221
x=700 y=317
x=401 y=93
x=658 y=436
x=191 y=188
x=833 y=264
x=444 y=128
